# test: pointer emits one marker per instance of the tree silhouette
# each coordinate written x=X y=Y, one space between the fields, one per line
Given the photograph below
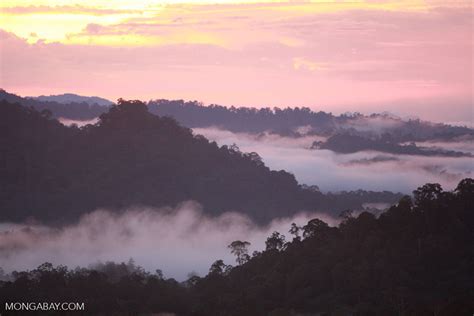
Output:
x=219 y=268
x=275 y=242
x=240 y=250
x=295 y=231
x=314 y=227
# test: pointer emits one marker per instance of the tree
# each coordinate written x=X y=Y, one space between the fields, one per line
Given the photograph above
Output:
x=427 y=193
x=295 y=231
x=465 y=188
x=240 y=250
x=127 y=113
x=219 y=268
x=313 y=227
x=275 y=242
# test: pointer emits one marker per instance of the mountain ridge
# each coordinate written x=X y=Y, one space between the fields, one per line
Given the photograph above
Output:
x=132 y=157
x=66 y=98
x=289 y=122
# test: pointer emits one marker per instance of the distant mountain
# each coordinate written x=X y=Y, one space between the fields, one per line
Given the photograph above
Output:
x=74 y=111
x=132 y=157
x=289 y=122
x=297 y=122
x=73 y=98
x=347 y=143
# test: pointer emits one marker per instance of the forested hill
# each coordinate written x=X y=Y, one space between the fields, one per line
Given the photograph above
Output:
x=71 y=110
x=301 y=121
x=347 y=143
x=415 y=259
x=293 y=122
x=134 y=158
x=68 y=98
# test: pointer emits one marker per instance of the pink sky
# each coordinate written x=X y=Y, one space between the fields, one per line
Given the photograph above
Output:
x=409 y=58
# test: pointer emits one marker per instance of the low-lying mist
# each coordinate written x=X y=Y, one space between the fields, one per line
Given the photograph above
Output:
x=367 y=170
x=177 y=241
x=79 y=123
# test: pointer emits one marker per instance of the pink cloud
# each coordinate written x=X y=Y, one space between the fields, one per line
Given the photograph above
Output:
x=68 y=9
x=416 y=63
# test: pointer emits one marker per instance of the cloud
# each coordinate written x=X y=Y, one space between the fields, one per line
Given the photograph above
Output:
x=407 y=61
x=64 y=9
x=93 y=28
x=178 y=241
x=363 y=170
x=305 y=64
x=79 y=123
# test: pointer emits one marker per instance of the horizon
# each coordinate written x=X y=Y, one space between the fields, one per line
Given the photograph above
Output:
x=402 y=116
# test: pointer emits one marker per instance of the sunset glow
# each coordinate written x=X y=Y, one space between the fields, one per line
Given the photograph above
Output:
x=383 y=55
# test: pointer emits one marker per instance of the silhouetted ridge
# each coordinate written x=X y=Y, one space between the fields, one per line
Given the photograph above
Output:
x=347 y=143
x=415 y=259
x=67 y=98
x=245 y=119
x=71 y=110
x=292 y=122
x=301 y=121
x=131 y=158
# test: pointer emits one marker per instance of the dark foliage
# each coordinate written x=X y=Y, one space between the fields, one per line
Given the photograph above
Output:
x=282 y=121
x=288 y=121
x=71 y=110
x=347 y=143
x=415 y=259
x=244 y=119
x=134 y=158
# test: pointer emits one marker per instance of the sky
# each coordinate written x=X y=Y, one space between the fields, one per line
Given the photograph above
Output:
x=411 y=58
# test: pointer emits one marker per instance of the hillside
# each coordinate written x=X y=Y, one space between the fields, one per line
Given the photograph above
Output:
x=301 y=121
x=415 y=259
x=289 y=121
x=347 y=143
x=71 y=110
x=134 y=158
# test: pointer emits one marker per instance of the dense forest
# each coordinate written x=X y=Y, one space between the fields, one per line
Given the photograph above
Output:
x=415 y=259
x=50 y=172
x=347 y=143
x=292 y=122
x=72 y=110
x=301 y=121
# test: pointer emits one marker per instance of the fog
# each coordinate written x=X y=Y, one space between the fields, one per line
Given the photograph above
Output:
x=367 y=170
x=376 y=125
x=177 y=241
x=465 y=144
x=79 y=123
x=183 y=240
